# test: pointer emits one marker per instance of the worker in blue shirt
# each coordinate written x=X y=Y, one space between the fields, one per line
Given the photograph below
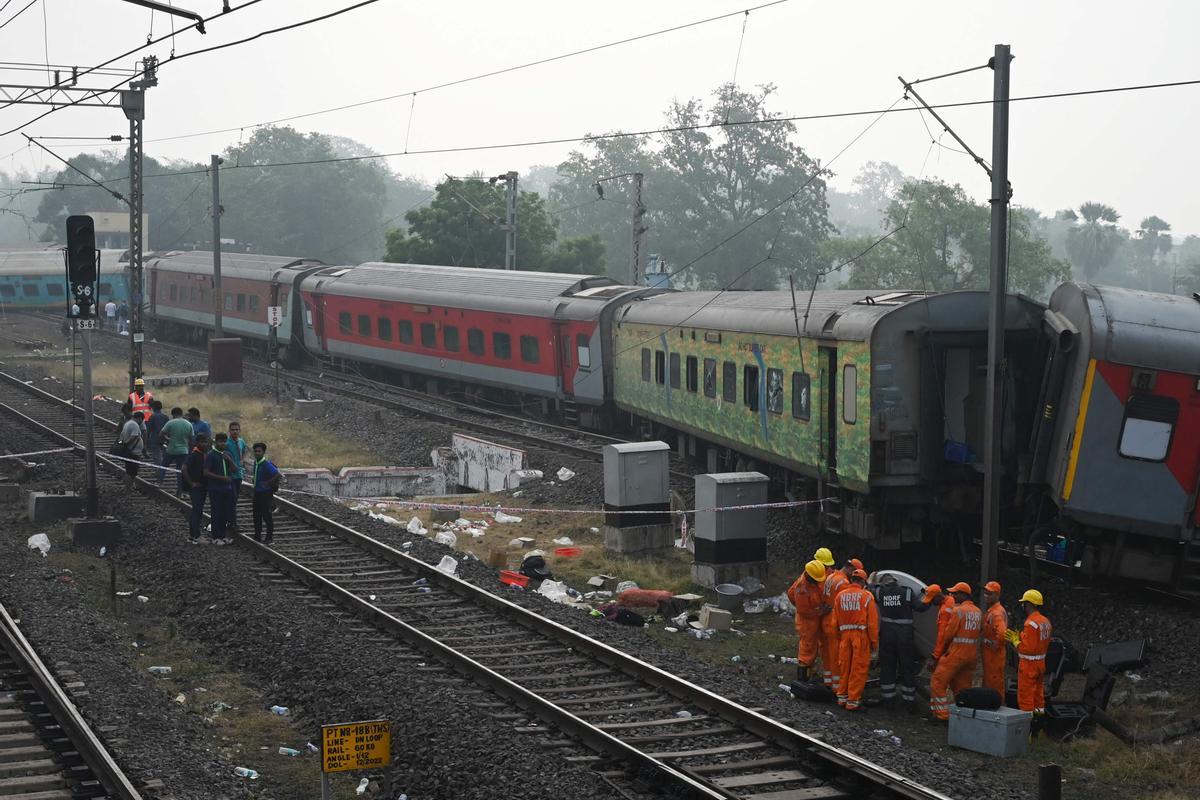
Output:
x=198 y=425
x=219 y=472
x=266 y=483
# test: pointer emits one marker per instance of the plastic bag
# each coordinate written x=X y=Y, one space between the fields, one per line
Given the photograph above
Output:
x=446 y=538
x=447 y=565
x=751 y=584
x=565 y=475
x=624 y=586
x=39 y=541
x=554 y=590
x=565 y=541
x=415 y=526
x=503 y=518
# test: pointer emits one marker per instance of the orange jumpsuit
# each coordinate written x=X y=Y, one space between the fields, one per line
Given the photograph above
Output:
x=835 y=581
x=807 y=596
x=995 y=623
x=956 y=651
x=1031 y=684
x=857 y=618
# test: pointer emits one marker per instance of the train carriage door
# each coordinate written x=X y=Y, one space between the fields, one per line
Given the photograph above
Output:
x=829 y=372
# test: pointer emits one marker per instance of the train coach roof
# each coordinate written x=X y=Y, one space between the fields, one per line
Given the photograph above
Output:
x=466 y=286
x=201 y=262
x=50 y=260
x=1128 y=326
x=847 y=314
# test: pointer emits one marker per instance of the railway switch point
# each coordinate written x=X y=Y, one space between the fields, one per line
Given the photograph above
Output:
x=730 y=545
x=46 y=507
x=307 y=409
x=94 y=533
x=636 y=479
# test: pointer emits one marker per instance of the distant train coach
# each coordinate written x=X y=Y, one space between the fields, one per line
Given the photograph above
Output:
x=36 y=279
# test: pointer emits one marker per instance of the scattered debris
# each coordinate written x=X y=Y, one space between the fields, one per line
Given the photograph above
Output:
x=361 y=789
x=141 y=598
x=289 y=751
x=555 y=591
x=39 y=541
x=446 y=538
x=280 y=711
x=683 y=714
x=447 y=565
x=751 y=585
x=245 y=772
x=161 y=670
x=565 y=475
x=505 y=519
x=625 y=586
x=415 y=527
x=565 y=541
x=181 y=698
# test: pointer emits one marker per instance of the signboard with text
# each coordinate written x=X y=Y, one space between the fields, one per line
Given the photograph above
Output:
x=356 y=745
x=274 y=316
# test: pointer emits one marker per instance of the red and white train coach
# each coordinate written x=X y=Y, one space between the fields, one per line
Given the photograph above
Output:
x=533 y=334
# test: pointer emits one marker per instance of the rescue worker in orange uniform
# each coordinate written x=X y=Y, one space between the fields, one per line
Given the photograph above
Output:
x=955 y=653
x=995 y=625
x=140 y=399
x=807 y=596
x=857 y=618
x=1032 y=647
x=934 y=597
x=834 y=581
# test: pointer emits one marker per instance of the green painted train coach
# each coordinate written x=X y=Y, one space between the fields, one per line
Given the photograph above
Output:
x=871 y=400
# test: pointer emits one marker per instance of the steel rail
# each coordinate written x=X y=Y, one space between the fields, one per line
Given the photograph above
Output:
x=807 y=749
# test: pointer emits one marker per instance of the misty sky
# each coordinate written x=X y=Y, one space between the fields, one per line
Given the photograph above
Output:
x=1135 y=151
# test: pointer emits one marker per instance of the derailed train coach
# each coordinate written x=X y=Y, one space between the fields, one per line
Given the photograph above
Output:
x=1116 y=449
x=872 y=401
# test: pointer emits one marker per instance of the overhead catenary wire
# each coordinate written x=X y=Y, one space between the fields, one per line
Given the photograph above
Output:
x=14 y=16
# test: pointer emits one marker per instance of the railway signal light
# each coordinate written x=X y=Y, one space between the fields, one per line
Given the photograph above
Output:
x=83 y=265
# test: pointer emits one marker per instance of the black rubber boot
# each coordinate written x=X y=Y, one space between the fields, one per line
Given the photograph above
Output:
x=802 y=673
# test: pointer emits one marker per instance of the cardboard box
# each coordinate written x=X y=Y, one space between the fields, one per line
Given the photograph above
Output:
x=715 y=618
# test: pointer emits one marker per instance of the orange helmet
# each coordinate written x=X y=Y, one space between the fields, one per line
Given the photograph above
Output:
x=931 y=591
x=960 y=588
x=854 y=562
x=860 y=574
x=992 y=586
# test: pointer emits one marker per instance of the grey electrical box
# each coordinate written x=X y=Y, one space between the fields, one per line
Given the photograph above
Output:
x=724 y=537
x=636 y=474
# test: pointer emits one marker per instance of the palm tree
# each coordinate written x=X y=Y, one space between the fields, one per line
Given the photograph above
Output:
x=1093 y=244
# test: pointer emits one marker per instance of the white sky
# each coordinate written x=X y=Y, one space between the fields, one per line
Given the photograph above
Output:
x=1135 y=151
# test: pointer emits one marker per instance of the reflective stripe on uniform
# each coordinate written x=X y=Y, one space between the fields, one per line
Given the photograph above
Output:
x=852 y=628
x=1042 y=657
x=964 y=640
x=897 y=621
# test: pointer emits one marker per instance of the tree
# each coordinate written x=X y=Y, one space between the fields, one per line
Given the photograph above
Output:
x=749 y=184
x=1092 y=245
x=462 y=227
x=942 y=242
x=1150 y=246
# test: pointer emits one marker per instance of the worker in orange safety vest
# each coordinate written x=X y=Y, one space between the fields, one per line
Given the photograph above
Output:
x=954 y=655
x=995 y=625
x=807 y=595
x=140 y=399
x=834 y=581
x=934 y=597
x=857 y=618
x=1032 y=647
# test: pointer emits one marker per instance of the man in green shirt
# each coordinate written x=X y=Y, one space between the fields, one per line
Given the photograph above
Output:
x=176 y=439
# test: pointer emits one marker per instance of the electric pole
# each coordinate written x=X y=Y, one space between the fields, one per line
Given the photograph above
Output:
x=639 y=211
x=218 y=296
x=994 y=435
x=133 y=103
x=510 y=220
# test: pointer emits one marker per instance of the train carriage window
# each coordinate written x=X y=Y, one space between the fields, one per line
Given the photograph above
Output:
x=228 y=301
x=195 y=299
x=450 y=338
x=674 y=370
x=364 y=324
x=308 y=315
x=710 y=377
x=206 y=297
x=475 y=345
x=529 y=350
x=7 y=291
x=800 y=396
x=405 y=331
x=502 y=346
x=1149 y=423
x=344 y=322
x=660 y=367
x=646 y=364
x=253 y=303
x=385 y=329
x=693 y=374
x=162 y=292
x=30 y=289
x=775 y=391
x=583 y=350
x=241 y=302
x=55 y=290
x=171 y=293
x=729 y=382
x=750 y=387
x=849 y=394
x=428 y=334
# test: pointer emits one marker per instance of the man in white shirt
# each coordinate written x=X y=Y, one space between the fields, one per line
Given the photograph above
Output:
x=110 y=311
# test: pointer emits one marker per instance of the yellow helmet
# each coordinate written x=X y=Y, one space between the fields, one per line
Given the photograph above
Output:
x=824 y=556
x=1032 y=596
x=815 y=570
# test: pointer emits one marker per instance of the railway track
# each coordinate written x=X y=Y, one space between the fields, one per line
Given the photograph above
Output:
x=489 y=422
x=628 y=713
x=47 y=749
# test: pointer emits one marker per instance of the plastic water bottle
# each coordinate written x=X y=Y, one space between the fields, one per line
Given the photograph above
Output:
x=288 y=751
x=245 y=772
x=361 y=789
x=312 y=748
x=161 y=670
x=281 y=711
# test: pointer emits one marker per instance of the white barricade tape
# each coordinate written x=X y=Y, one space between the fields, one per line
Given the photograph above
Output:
x=38 y=453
